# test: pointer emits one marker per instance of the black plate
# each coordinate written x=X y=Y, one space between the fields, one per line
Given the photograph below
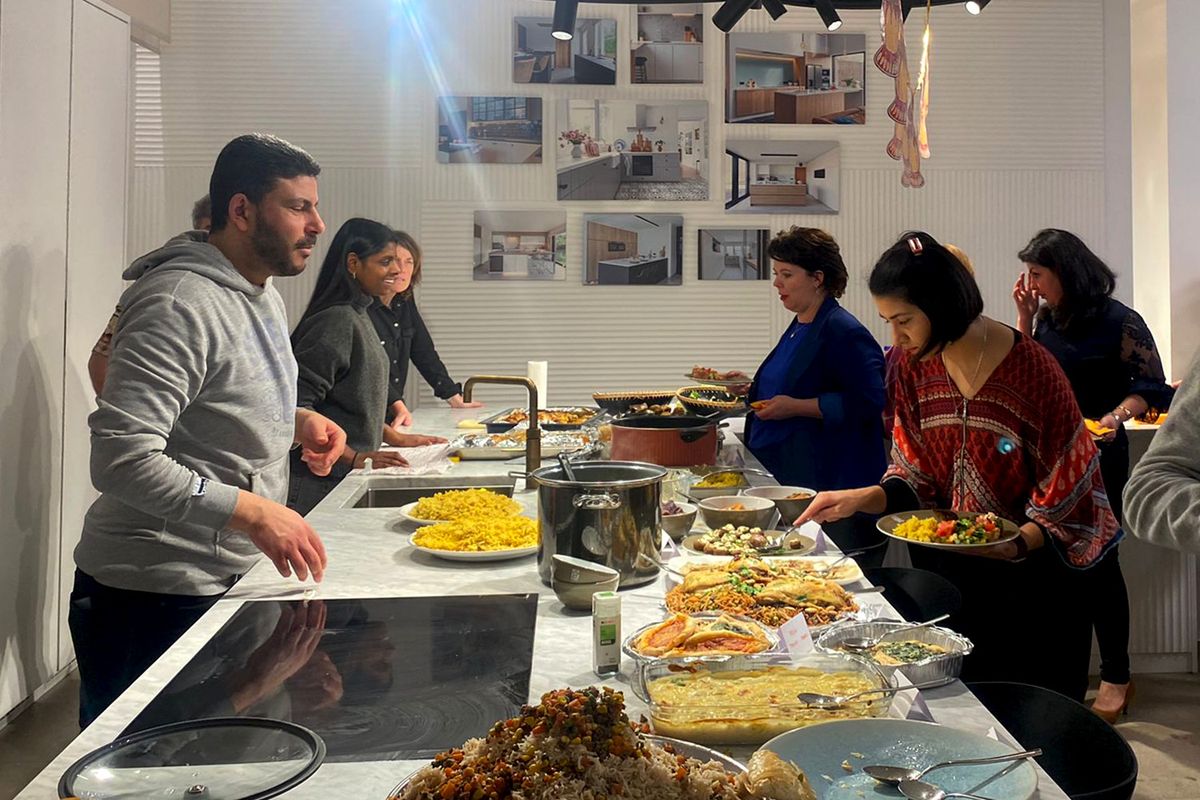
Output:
x=494 y=424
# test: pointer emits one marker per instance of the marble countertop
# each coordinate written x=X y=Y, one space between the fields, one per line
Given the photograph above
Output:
x=369 y=556
x=632 y=262
x=567 y=164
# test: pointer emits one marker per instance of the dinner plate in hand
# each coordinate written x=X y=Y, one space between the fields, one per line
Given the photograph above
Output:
x=820 y=750
x=1008 y=530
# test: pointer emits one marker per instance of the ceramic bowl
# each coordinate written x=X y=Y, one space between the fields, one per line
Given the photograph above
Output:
x=569 y=569
x=759 y=512
x=680 y=525
x=789 y=509
x=579 y=595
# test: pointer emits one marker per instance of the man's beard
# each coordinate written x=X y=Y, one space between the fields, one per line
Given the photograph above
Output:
x=274 y=252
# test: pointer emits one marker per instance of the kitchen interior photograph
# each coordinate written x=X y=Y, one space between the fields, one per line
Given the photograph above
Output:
x=734 y=254
x=590 y=56
x=669 y=47
x=489 y=130
x=633 y=249
x=624 y=150
x=782 y=177
x=520 y=245
x=796 y=78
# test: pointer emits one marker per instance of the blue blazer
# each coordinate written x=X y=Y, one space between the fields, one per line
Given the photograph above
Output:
x=841 y=365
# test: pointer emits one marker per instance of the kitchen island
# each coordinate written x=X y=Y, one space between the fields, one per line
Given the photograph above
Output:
x=370 y=557
x=630 y=271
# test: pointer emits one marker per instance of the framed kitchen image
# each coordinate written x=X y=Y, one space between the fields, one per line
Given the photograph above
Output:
x=590 y=57
x=625 y=150
x=796 y=78
x=520 y=246
x=669 y=47
x=489 y=130
x=782 y=177
x=633 y=249
x=734 y=254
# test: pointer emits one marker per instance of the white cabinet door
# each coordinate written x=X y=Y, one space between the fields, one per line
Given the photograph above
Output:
x=658 y=68
x=686 y=62
x=97 y=179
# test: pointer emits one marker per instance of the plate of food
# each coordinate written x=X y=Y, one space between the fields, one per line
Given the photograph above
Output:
x=703 y=635
x=458 y=504
x=755 y=588
x=730 y=540
x=496 y=538
x=708 y=399
x=844 y=574
x=1097 y=430
x=531 y=752
x=926 y=656
x=834 y=755
x=550 y=419
x=620 y=402
x=511 y=444
x=950 y=530
x=714 y=377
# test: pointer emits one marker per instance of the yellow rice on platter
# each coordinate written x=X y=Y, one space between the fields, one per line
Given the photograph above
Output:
x=919 y=530
x=463 y=503
x=479 y=534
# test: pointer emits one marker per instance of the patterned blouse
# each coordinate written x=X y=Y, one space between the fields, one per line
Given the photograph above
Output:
x=1018 y=449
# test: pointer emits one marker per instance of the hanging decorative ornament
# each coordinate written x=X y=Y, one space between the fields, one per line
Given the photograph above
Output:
x=909 y=108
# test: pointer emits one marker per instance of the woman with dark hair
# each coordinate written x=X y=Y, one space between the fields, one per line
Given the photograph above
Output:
x=1109 y=357
x=405 y=338
x=818 y=397
x=343 y=370
x=986 y=422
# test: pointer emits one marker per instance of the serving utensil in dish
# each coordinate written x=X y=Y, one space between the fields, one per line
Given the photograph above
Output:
x=864 y=643
x=941 y=667
x=833 y=701
x=920 y=790
x=888 y=524
x=892 y=776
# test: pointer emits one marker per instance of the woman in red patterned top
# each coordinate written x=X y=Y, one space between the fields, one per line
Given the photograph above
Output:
x=987 y=422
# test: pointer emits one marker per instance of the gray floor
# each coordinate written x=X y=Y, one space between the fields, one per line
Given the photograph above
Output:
x=1163 y=727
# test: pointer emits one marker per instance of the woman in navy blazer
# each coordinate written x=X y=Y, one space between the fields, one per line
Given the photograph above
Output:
x=818 y=398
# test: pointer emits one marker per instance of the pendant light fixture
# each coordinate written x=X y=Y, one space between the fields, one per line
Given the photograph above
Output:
x=730 y=12
x=828 y=14
x=564 y=19
x=975 y=6
x=775 y=8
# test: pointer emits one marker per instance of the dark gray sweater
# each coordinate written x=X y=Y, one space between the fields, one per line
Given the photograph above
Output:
x=343 y=371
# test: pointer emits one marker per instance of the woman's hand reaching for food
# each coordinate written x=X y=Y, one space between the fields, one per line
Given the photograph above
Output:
x=832 y=506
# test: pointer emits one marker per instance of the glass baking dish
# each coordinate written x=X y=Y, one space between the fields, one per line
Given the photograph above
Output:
x=753 y=698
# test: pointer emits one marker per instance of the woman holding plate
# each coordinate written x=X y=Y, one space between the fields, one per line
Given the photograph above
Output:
x=986 y=422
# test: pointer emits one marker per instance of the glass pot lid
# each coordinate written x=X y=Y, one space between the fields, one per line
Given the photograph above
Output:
x=210 y=759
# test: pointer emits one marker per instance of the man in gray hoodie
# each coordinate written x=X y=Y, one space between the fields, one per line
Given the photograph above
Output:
x=193 y=428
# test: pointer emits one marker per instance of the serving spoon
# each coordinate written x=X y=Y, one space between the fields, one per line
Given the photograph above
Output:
x=863 y=643
x=832 y=700
x=920 y=790
x=892 y=776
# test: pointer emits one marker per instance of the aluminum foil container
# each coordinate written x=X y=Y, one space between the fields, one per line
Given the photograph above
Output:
x=938 y=670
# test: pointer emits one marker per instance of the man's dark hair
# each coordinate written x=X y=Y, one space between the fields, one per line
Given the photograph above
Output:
x=813 y=250
x=1086 y=280
x=919 y=270
x=202 y=210
x=250 y=165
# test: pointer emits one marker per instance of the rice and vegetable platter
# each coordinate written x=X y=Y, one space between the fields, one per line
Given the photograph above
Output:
x=579 y=744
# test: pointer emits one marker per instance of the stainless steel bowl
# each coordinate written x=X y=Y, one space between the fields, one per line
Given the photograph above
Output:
x=938 y=669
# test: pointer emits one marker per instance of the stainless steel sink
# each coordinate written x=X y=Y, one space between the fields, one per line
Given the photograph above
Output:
x=394 y=491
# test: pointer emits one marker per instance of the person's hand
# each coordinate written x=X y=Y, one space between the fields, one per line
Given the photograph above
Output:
x=417 y=440
x=379 y=459
x=458 y=402
x=282 y=535
x=1113 y=425
x=778 y=407
x=401 y=416
x=285 y=652
x=321 y=440
x=832 y=506
x=1027 y=299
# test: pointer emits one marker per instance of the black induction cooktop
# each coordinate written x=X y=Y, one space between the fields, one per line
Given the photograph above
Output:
x=379 y=679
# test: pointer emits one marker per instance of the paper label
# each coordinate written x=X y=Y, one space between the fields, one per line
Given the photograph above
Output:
x=820 y=540
x=796 y=636
x=669 y=549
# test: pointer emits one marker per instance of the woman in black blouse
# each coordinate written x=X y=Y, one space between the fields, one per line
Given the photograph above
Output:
x=1109 y=356
x=405 y=338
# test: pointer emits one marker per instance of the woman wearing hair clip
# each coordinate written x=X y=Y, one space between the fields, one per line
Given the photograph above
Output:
x=818 y=397
x=986 y=422
x=343 y=369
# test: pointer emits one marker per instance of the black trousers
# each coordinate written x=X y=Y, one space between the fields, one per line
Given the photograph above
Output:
x=305 y=489
x=119 y=633
x=1104 y=584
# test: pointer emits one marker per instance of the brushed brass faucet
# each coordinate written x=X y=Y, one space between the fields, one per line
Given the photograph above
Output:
x=533 y=436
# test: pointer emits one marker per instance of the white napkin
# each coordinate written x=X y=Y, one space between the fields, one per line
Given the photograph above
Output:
x=431 y=459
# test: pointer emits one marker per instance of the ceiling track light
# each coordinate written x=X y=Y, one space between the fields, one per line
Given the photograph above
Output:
x=975 y=6
x=775 y=8
x=564 y=19
x=828 y=14
x=730 y=12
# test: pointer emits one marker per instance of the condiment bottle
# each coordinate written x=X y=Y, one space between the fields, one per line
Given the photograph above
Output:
x=606 y=633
